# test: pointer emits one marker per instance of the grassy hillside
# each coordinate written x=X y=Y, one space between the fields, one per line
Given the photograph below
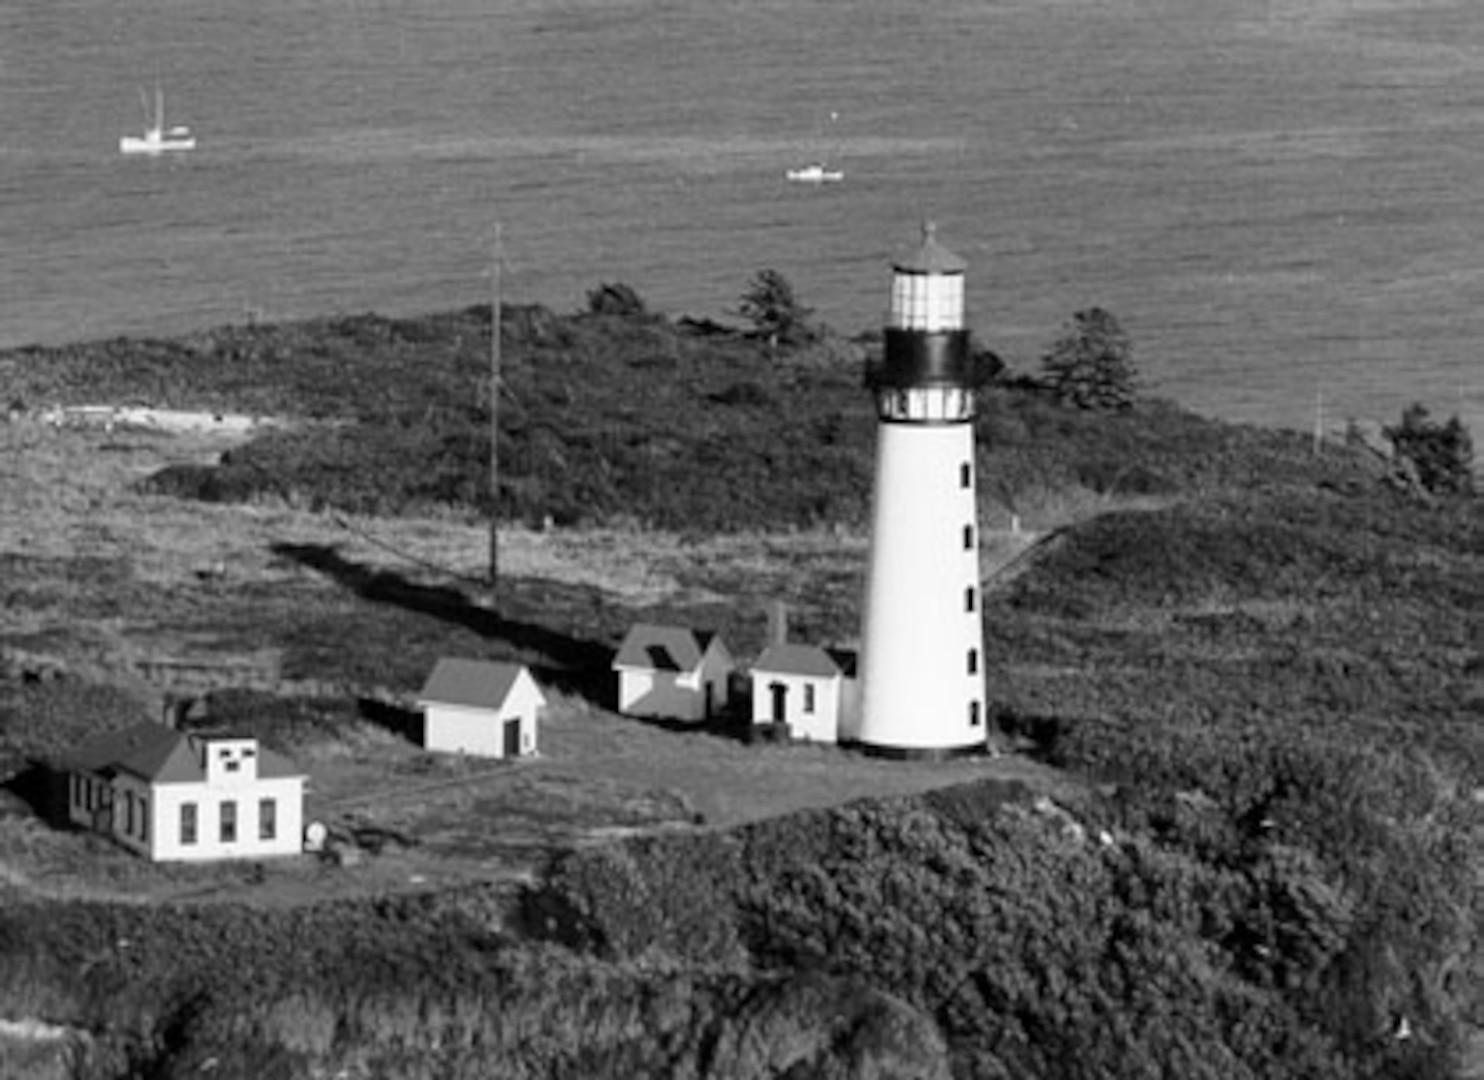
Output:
x=1258 y=667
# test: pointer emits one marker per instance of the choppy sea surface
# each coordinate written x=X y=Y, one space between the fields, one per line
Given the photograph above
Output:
x=1281 y=200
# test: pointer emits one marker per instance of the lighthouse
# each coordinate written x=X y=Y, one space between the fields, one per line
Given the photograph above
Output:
x=922 y=681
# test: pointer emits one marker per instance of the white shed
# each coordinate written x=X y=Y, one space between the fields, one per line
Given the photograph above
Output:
x=488 y=708
x=177 y=796
x=672 y=672
x=809 y=688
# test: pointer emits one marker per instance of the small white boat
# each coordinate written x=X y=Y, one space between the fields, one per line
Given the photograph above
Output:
x=157 y=138
x=816 y=173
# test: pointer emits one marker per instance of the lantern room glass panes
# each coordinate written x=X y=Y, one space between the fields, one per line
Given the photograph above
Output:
x=929 y=302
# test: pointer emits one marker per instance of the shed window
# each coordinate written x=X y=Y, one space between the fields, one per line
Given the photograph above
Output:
x=808 y=697
x=229 y=822
x=187 y=823
x=267 y=819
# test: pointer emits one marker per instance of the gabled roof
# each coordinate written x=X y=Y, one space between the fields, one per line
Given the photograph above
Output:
x=145 y=740
x=797 y=659
x=483 y=684
x=162 y=755
x=663 y=648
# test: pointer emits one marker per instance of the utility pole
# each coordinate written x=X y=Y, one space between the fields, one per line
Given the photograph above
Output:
x=1318 y=419
x=495 y=307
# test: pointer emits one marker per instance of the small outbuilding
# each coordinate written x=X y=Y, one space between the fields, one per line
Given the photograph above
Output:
x=809 y=688
x=488 y=708
x=672 y=673
x=177 y=796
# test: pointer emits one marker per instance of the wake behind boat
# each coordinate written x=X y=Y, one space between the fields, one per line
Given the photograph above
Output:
x=157 y=138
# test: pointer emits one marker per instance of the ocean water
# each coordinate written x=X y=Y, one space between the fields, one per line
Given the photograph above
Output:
x=1281 y=200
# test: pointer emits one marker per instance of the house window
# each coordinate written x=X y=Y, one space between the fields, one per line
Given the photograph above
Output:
x=128 y=813
x=187 y=823
x=969 y=598
x=968 y=538
x=965 y=476
x=144 y=818
x=229 y=822
x=808 y=697
x=267 y=819
x=973 y=661
x=973 y=714
x=231 y=766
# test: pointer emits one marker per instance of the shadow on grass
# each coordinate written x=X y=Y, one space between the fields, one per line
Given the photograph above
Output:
x=42 y=788
x=408 y=724
x=571 y=664
x=730 y=725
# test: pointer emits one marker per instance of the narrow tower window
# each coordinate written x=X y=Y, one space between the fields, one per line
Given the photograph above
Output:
x=969 y=598
x=968 y=538
x=965 y=475
x=973 y=661
x=973 y=714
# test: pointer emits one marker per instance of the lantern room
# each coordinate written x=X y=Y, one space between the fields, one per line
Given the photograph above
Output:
x=926 y=371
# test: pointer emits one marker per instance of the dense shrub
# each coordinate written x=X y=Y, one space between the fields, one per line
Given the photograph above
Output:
x=1441 y=454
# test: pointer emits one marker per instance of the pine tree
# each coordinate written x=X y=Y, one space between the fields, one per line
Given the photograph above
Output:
x=1091 y=365
x=775 y=312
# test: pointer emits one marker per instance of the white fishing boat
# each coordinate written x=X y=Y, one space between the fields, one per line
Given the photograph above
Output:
x=815 y=173
x=157 y=138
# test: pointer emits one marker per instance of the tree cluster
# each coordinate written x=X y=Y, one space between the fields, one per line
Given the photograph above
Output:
x=1442 y=455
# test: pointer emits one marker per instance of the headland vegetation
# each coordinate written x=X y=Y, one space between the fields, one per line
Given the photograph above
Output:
x=1231 y=828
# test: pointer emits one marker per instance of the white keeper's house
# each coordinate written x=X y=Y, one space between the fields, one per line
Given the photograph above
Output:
x=487 y=708
x=183 y=796
x=672 y=673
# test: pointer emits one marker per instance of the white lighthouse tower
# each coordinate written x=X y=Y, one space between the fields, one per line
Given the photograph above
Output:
x=922 y=682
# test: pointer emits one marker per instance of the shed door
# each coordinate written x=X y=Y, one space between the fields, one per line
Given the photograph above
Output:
x=512 y=737
x=780 y=702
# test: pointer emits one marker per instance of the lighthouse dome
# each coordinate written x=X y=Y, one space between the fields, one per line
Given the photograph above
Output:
x=929 y=257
